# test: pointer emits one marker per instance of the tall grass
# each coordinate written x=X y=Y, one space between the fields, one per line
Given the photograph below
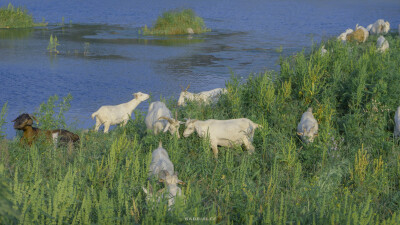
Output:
x=349 y=175
x=11 y=17
x=175 y=22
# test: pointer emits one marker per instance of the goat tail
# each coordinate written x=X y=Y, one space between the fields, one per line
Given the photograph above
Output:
x=94 y=114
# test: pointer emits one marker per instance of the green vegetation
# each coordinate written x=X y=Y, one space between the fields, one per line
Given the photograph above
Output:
x=53 y=43
x=176 y=22
x=12 y=17
x=349 y=175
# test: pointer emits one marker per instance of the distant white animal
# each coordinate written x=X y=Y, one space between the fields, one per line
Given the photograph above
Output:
x=382 y=44
x=308 y=127
x=159 y=119
x=323 y=50
x=224 y=132
x=397 y=122
x=379 y=27
x=211 y=96
x=116 y=114
x=343 y=35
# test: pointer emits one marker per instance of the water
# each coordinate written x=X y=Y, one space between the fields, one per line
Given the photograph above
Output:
x=118 y=61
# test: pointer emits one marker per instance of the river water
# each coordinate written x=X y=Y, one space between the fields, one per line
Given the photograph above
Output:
x=103 y=59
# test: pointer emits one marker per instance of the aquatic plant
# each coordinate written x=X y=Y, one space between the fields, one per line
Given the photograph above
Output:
x=348 y=175
x=175 y=22
x=53 y=43
x=11 y=17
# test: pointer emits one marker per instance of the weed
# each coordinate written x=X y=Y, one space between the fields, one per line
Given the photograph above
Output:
x=53 y=43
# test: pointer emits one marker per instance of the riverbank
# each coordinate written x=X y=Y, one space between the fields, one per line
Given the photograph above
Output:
x=350 y=174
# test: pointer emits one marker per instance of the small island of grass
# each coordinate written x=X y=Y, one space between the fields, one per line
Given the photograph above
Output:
x=11 y=17
x=175 y=22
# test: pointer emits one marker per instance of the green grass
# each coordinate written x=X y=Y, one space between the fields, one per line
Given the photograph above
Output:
x=349 y=175
x=11 y=17
x=175 y=22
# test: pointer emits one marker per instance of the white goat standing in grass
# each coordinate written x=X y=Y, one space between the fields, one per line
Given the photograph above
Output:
x=162 y=168
x=159 y=119
x=116 y=114
x=207 y=97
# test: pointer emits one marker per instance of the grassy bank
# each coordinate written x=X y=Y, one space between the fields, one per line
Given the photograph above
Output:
x=11 y=17
x=349 y=175
x=175 y=22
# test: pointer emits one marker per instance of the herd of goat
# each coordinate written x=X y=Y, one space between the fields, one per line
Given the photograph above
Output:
x=159 y=118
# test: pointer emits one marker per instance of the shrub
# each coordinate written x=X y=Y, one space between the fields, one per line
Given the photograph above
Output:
x=176 y=22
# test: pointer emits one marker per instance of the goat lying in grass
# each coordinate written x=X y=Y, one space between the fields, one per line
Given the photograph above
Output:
x=24 y=122
x=116 y=114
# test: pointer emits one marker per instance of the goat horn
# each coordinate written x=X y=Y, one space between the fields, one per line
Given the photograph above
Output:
x=182 y=89
x=166 y=118
x=187 y=88
x=34 y=118
x=176 y=115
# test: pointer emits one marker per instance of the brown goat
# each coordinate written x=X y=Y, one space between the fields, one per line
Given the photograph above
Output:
x=24 y=122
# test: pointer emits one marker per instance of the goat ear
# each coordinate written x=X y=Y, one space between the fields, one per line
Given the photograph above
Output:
x=180 y=182
x=315 y=134
x=135 y=95
x=300 y=133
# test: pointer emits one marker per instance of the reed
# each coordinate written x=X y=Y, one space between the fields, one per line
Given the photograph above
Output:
x=11 y=17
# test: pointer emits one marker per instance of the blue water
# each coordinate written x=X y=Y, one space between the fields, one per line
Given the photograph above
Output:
x=119 y=61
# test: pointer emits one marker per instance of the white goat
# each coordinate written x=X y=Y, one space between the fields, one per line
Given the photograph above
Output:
x=207 y=97
x=379 y=27
x=308 y=127
x=224 y=132
x=159 y=119
x=115 y=114
x=170 y=181
x=323 y=50
x=382 y=44
x=365 y=31
x=162 y=168
x=343 y=35
x=397 y=122
x=160 y=161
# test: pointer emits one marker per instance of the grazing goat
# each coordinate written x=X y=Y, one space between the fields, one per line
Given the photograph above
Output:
x=160 y=161
x=397 y=122
x=382 y=44
x=162 y=168
x=116 y=114
x=170 y=181
x=224 y=132
x=207 y=97
x=308 y=127
x=379 y=27
x=159 y=119
x=24 y=122
x=343 y=36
